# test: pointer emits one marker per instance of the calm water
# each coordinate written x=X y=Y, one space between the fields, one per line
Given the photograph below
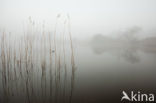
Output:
x=105 y=72
x=99 y=75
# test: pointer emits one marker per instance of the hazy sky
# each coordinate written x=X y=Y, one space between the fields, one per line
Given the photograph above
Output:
x=87 y=16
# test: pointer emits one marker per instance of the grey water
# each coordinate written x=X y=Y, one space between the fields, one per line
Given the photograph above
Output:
x=102 y=70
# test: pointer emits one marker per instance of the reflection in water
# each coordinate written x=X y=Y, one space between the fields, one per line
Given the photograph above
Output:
x=127 y=49
x=37 y=70
x=130 y=54
x=32 y=72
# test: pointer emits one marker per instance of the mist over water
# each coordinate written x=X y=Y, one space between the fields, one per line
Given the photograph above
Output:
x=87 y=17
x=69 y=51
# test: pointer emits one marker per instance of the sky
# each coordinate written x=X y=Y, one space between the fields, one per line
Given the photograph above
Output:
x=88 y=17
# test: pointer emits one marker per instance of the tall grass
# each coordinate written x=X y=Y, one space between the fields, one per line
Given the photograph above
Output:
x=34 y=64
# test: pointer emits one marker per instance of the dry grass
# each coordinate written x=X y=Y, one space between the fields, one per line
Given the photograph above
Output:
x=36 y=65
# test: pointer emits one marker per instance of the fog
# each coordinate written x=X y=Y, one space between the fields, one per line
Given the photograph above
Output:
x=88 y=17
x=76 y=51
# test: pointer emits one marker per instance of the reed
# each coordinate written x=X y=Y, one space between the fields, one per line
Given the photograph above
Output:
x=36 y=64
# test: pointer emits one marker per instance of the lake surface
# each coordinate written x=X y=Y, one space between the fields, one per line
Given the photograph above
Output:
x=103 y=73
x=98 y=74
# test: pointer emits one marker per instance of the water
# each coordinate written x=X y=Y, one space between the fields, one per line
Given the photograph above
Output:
x=105 y=72
x=99 y=74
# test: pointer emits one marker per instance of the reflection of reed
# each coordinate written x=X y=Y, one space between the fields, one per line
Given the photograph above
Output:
x=34 y=69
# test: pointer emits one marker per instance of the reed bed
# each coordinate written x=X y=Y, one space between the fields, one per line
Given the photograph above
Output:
x=38 y=66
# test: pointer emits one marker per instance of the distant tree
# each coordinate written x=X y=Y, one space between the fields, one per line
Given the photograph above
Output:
x=131 y=35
